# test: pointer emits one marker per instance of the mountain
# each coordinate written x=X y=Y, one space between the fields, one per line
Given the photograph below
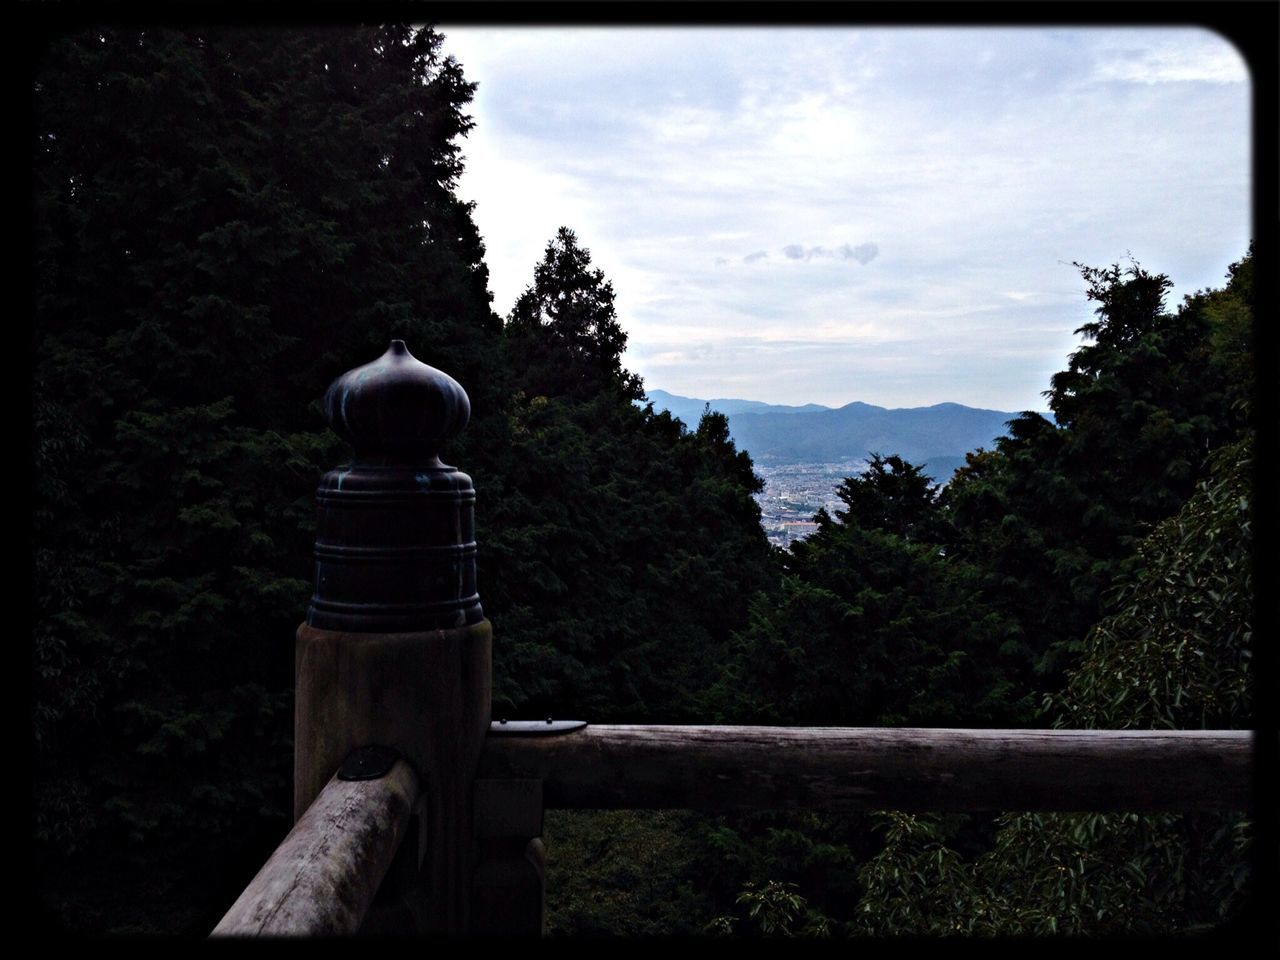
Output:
x=938 y=436
x=689 y=409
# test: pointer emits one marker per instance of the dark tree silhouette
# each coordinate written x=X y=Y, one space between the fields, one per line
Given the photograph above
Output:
x=567 y=326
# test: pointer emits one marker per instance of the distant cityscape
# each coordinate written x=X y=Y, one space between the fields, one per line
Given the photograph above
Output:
x=793 y=492
x=799 y=451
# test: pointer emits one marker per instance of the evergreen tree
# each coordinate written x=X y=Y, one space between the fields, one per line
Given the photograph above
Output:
x=1174 y=651
x=872 y=625
x=1055 y=511
x=894 y=496
x=622 y=549
x=566 y=327
x=225 y=220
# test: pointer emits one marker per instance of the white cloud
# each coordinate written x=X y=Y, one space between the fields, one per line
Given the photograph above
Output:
x=1177 y=57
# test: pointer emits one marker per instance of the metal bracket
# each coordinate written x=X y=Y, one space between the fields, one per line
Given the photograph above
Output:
x=533 y=728
x=368 y=763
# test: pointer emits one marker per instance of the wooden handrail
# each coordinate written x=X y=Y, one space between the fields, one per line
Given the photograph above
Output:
x=880 y=768
x=323 y=876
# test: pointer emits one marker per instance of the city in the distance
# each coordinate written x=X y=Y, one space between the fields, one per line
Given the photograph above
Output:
x=803 y=452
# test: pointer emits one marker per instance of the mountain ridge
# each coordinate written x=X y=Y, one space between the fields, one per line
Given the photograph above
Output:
x=936 y=436
x=690 y=409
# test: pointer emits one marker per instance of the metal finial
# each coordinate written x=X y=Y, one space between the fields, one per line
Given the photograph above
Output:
x=395 y=532
x=397 y=406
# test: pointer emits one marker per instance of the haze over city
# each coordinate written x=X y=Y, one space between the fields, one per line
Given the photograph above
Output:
x=842 y=213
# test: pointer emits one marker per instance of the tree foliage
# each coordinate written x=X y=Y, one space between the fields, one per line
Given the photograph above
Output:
x=1056 y=511
x=873 y=624
x=621 y=552
x=895 y=497
x=1176 y=647
x=225 y=220
x=623 y=873
x=1173 y=652
x=565 y=327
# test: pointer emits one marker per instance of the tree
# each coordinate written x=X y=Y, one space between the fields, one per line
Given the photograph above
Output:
x=622 y=548
x=1064 y=518
x=894 y=496
x=1057 y=509
x=567 y=327
x=873 y=624
x=616 y=560
x=1023 y=546
x=1174 y=651
x=225 y=220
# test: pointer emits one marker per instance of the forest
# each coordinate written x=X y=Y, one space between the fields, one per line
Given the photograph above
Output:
x=227 y=219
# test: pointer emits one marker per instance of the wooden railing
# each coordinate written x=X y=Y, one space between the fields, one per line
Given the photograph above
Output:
x=446 y=839
x=323 y=878
x=878 y=768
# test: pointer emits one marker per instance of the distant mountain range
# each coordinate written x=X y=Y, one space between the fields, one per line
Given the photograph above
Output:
x=689 y=409
x=937 y=437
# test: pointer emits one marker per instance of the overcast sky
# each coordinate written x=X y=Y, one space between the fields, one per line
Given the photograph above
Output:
x=836 y=214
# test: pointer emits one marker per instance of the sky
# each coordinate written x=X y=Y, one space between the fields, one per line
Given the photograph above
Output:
x=832 y=214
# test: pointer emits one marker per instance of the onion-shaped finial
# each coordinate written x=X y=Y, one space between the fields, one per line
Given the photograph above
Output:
x=397 y=406
x=395 y=528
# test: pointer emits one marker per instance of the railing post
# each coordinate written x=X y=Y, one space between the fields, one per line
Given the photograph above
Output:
x=509 y=889
x=395 y=649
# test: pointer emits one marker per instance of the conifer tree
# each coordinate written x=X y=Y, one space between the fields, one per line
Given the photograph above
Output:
x=624 y=547
x=1172 y=652
x=568 y=327
x=1055 y=511
x=225 y=220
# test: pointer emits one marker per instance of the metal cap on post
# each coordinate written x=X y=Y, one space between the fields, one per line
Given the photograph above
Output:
x=395 y=535
x=395 y=649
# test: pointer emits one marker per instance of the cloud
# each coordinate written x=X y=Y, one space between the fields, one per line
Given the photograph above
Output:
x=864 y=253
x=753 y=257
x=721 y=261
x=1175 y=58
